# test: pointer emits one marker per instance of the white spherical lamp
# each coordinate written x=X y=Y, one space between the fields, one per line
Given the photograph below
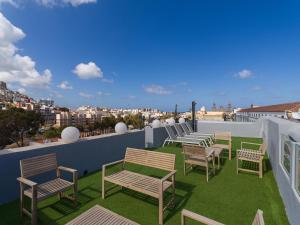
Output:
x=171 y=121
x=181 y=120
x=70 y=135
x=121 y=128
x=156 y=123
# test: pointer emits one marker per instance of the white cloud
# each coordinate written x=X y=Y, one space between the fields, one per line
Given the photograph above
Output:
x=243 y=74
x=132 y=97
x=65 y=85
x=257 y=88
x=15 y=68
x=55 y=94
x=88 y=71
x=100 y=93
x=22 y=90
x=11 y=2
x=51 y=3
x=86 y=95
x=110 y=81
x=157 y=89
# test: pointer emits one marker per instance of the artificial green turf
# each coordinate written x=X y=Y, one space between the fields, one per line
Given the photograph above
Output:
x=227 y=197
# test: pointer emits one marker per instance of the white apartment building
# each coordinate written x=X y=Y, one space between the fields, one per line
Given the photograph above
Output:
x=285 y=111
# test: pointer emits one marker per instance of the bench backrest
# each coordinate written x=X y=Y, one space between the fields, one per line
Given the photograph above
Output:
x=38 y=165
x=259 y=219
x=225 y=136
x=194 y=150
x=158 y=160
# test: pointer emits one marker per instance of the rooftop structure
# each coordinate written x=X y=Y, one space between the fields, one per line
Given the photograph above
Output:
x=285 y=110
x=227 y=197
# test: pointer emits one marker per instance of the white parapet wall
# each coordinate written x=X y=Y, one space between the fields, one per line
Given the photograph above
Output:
x=274 y=129
x=86 y=155
x=238 y=129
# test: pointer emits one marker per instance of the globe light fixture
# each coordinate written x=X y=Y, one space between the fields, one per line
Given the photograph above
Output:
x=121 y=128
x=70 y=135
x=156 y=123
x=171 y=121
x=181 y=120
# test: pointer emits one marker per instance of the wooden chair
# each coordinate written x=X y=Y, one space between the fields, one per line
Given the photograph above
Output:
x=199 y=156
x=224 y=137
x=31 y=167
x=148 y=185
x=251 y=155
x=258 y=219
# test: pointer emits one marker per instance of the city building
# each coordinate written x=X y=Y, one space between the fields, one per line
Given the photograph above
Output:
x=285 y=111
x=202 y=114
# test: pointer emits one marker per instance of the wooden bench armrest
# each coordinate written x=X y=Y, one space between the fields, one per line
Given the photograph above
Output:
x=66 y=169
x=210 y=153
x=27 y=182
x=249 y=143
x=197 y=217
x=168 y=176
x=113 y=163
x=110 y=164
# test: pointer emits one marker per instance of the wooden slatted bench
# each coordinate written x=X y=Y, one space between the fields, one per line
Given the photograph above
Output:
x=98 y=215
x=34 y=166
x=148 y=185
x=258 y=219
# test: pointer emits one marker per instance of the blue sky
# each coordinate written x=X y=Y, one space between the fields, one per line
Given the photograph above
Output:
x=130 y=53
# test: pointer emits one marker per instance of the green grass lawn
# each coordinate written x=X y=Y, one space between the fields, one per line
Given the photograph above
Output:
x=227 y=197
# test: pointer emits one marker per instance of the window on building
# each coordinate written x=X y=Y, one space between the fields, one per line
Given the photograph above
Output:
x=286 y=151
x=297 y=174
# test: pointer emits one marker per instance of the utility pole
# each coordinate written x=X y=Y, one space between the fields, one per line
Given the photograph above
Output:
x=193 y=116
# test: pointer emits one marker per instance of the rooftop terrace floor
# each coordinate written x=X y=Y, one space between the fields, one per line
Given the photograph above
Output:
x=227 y=197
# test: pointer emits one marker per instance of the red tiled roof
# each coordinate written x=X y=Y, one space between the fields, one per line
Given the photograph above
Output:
x=293 y=107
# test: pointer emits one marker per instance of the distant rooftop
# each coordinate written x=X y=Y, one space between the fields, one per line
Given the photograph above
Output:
x=292 y=107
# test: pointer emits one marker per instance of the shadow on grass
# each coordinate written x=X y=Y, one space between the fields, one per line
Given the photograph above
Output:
x=65 y=206
x=180 y=199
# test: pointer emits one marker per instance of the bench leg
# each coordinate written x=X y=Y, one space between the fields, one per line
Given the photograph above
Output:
x=182 y=219
x=161 y=209
x=34 y=207
x=206 y=171
x=21 y=199
x=75 y=188
x=260 y=170
x=103 y=182
x=173 y=191
x=213 y=162
x=60 y=195
x=237 y=165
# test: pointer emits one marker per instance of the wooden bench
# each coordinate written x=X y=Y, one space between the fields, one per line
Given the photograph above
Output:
x=98 y=215
x=148 y=185
x=258 y=219
x=36 y=192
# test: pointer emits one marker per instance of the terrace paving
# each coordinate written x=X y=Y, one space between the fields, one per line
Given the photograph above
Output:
x=227 y=197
